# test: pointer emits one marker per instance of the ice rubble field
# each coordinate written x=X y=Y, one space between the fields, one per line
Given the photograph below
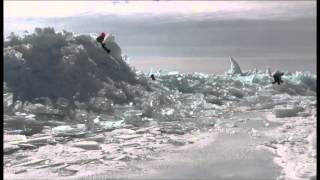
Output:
x=132 y=119
x=181 y=103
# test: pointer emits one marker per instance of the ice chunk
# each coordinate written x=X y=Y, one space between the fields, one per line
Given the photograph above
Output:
x=134 y=117
x=173 y=130
x=287 y=111
x=101 y=104
x=213 y=99
x=122 y=158
x=63 y=102
x=40 y=140
x=236 y=92
x=109 y=125
x=123 y=131
x=9 y=148
x=176 y=141
x=115 y=49
x=234 y=68
x=312 y=138
x=18 y=106
x=128 y=136
x=87 y=145
x=67 y=130
x=14 y=138
x=97 y=138
x=38 y=108
x=254 y=133
x=67 y=172
x=268 y=71
x=7 y=101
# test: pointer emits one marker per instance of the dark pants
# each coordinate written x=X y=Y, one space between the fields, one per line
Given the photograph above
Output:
x=277 y=79
x=105 y=48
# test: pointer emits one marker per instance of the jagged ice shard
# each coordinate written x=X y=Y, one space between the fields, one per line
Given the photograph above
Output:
x=235 y=68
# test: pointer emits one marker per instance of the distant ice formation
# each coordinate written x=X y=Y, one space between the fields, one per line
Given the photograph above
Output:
x=235 y=68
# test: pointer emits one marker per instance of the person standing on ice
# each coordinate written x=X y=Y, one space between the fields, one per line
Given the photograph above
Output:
x=277 y=77
x=109 y=44
x=100 y=39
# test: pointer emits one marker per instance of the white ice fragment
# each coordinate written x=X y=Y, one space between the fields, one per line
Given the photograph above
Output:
x=234 y=68
x=128 y=136
x=66 y=130
x=7 y=100
x=176 y=141
x=236 y=92
x=268 y=71
x=14 y=138
x=122 y=158
x=167 y=111
x=108 y=125
x=60 y=129
x=9 y=148
x=20 y=114
x=115 y=50
x=30 y=116
x=97 y=119
x=173 y=73
x=97 y=138
x=87 y=145
x=312 y=138
x=123 y=131
x=287 y=112
x=266 y=124
x=254 y=133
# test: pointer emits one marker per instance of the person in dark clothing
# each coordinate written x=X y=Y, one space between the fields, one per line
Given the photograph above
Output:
x=152 y=77
x=277 y=77
x=100 y=39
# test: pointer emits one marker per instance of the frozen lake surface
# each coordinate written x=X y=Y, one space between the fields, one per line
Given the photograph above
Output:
x=231 y=125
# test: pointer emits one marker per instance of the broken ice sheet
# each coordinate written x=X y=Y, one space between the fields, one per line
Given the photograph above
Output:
x=281 y=112
x=67 y=130
x=110 y=125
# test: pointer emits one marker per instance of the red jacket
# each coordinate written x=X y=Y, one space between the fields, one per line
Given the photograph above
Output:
x=101 y=37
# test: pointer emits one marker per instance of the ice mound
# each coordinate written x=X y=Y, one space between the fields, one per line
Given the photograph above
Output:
x=60 y=64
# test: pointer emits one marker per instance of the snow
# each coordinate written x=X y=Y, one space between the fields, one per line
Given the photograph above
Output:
x=177 y=104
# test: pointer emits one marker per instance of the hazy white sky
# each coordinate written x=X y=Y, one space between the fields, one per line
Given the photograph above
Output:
x=244 y=9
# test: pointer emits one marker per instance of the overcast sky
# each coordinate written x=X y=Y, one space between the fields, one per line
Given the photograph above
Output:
x=153 y=29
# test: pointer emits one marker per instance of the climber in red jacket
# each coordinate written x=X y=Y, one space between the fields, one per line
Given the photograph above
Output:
x=100 y=39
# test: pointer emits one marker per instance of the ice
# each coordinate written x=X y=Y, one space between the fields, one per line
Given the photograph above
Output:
x=109 y=125
x=87 y=145
x=213 y=99
x=236 y=92
x=61 y=61
x=287 y=111
x=101 y=104
x=7 y=101
x=312 y=138
x=176 y=141
x=268 y=71
x=235 y=68
x=139 y=111
x=38 y=108
x=14 y=138
x=134 y=117
x=67 y=130
x=115 y=49
x=9 y=148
